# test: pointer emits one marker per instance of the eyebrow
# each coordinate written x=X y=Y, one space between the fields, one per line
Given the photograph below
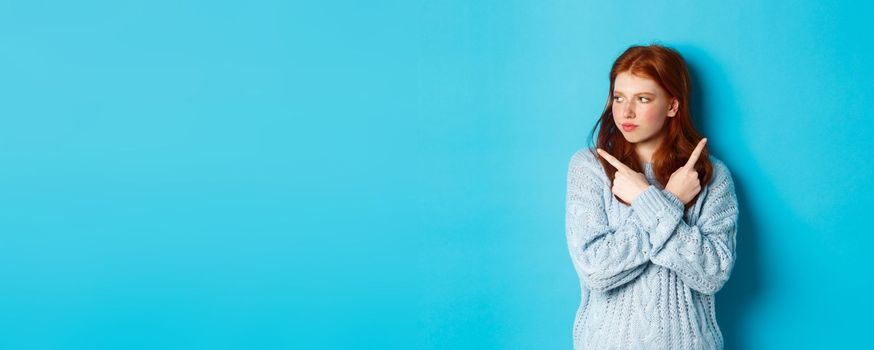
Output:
x=639 y=93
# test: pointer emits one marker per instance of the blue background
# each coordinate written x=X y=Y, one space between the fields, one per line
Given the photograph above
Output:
x=274 y=175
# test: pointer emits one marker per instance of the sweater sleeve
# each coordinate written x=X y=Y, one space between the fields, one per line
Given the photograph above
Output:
x=605 y=257
x=703 y=254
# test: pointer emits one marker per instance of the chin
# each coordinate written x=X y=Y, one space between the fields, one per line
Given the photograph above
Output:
x=630 y=140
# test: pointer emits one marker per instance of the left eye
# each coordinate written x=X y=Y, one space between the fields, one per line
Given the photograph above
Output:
x=644 y=99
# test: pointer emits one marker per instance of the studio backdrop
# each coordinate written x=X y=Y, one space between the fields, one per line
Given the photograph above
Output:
x=392 y=175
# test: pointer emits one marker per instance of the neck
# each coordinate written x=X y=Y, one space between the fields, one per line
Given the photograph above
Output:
x=647 y=148
x=645 y=153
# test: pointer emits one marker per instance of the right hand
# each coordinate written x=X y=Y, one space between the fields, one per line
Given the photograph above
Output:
x=684 y=182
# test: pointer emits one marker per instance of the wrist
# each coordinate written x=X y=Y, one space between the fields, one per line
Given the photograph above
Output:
x=670 y=190
x=640 y=190
x=671 y=196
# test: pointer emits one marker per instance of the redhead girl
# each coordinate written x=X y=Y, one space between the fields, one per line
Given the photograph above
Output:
x=651 y=216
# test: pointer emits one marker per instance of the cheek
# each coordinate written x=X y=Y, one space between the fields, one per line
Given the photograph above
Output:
x=644 y=114
x=651 y=114
x=617 y=112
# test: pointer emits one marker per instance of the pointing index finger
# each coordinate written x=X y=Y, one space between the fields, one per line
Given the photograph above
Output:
x=612 y=160
x=696 y=153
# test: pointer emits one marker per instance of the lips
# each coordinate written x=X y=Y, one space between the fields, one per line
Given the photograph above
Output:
x=628 y=127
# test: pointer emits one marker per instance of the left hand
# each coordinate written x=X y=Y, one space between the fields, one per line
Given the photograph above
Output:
x=627 y=184
x=684 y=182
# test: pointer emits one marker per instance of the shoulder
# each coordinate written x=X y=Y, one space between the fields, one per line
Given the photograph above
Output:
x=721 y=173
x=586 y=158
x=584 y=163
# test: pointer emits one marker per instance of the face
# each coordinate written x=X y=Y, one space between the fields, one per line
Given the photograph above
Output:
x=641 y=102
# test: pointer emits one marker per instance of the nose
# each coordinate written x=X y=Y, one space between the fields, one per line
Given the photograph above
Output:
x=628 y=110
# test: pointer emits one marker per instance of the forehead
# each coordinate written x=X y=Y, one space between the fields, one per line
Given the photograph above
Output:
x=628 y=83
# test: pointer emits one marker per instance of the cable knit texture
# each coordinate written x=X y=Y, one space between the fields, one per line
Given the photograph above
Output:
x=648 y=272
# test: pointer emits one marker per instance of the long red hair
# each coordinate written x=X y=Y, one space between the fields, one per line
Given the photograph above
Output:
x=666 y=67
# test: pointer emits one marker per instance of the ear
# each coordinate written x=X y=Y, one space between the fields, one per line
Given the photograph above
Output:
x=673 y=107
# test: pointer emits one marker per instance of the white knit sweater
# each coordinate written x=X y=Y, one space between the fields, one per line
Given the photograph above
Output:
x=648 y=274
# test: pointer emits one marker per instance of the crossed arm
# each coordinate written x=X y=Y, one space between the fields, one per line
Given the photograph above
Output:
x=608 y=256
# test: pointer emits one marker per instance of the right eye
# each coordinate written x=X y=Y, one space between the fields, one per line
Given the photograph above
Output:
x=617 y=98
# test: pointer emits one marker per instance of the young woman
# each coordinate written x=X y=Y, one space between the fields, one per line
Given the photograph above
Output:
x=651 y=216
